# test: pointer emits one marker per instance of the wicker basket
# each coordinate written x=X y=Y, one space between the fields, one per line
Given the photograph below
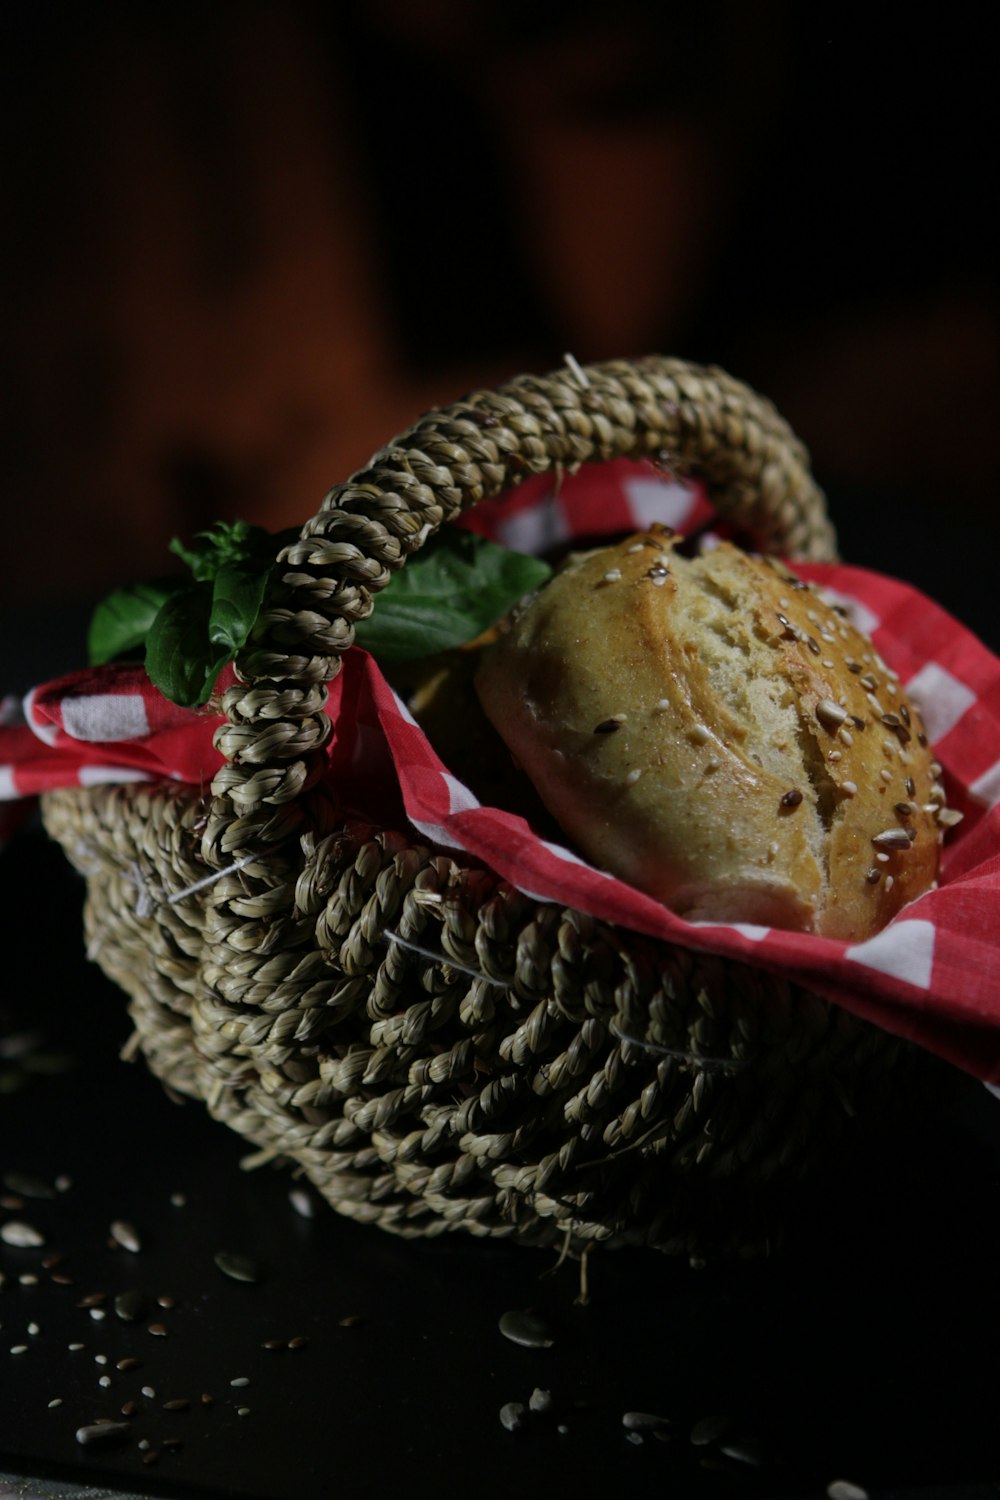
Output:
x=432 y=1049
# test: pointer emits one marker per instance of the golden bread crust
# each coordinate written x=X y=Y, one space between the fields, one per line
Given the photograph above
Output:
x=720 y=736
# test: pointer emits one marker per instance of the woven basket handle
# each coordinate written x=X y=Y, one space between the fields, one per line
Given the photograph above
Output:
x=698 y=419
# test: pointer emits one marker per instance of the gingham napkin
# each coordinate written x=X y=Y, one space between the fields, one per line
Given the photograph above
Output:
x=932 y=975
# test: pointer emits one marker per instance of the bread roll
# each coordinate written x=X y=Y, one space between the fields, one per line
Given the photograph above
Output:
x=715 y=733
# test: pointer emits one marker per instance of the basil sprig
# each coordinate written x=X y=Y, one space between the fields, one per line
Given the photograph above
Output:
x=457 y=586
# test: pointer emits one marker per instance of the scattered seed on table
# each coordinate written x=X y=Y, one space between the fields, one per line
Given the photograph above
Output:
x=152 y=1457
x=33 y=1328
x=144 y=1445
x=100 y=1359
x=709 y=1429
x=540 y=1400
x=130 y=1305
x=63 y=1183
x=19 y=1349
x=172 y=1443
x=843 y=1489
x=302 y=1203
x=105 y=1380
x=744 y=1450
x=527 y=1329
x=512 y=1415
x=179 y=1404
x=148 y=1392
x=237 y=1267
x=27 y=1186
x=562 y=1429
x=178 y=1200
x=10 y=1204
x=243 y=1411
x=207 y=1399
x=101 y=1432
x=28 y=1278
x=74 y=1347
x=128 y=1363
x=62 y=1280
x=298 y=1342
x=130 y=1408
x=638 y=1421
x=51 y=1261
x=158 y=1330
x=98 y=1314
x=56 y=1401
x=166 y=1301
x=93 y=1299
x=635 y=1437
x=275 y=1344
x=126 y=1235
x=240 y=1380
x=353 y=1320
x=24 y=1236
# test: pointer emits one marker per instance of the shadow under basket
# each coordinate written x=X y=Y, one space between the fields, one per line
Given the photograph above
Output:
x=431 y=1048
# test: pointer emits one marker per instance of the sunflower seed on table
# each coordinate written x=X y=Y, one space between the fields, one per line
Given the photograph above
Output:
x=101 y=1432
x=743 y=1450
x=709 y=1429
x=125 y=1234
x=527 y=1329
x=540 y=1400
x=512 y=1415
x=27 y=1186
x=843 y=1489
x=22 y=1236
x=636 y=1421
x=130 y=1305
x=237 y=1267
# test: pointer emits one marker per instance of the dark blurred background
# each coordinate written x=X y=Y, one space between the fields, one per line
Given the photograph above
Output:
x=248 y=242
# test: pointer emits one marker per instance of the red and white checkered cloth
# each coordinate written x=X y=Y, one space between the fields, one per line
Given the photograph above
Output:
x=932 y=975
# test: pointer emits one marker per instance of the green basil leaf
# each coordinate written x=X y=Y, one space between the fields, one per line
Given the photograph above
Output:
x=229 y=542
x=237 y=595
x=456 y=587
x=122 y=621
x=181 y=659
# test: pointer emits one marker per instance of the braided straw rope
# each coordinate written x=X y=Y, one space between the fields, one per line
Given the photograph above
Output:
x=432 y=1049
